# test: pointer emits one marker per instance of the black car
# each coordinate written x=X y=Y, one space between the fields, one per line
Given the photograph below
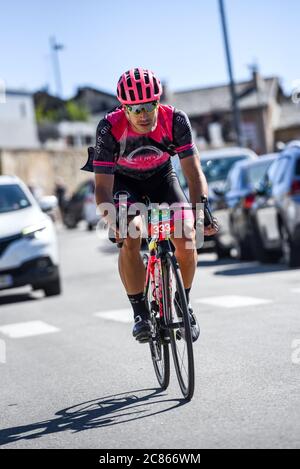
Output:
x=233 y=207
x=73 y=211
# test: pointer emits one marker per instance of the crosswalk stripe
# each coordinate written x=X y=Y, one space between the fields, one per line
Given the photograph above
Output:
x=119 y=315
x=232 y=301
x=27 y=329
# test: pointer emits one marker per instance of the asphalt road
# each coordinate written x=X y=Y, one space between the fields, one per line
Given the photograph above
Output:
x=85 y=383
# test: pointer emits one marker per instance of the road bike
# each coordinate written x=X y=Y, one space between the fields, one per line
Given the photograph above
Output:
x=167 y=305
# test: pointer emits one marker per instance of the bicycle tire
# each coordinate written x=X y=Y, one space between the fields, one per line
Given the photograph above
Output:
x=170 y=265
x=160 y=353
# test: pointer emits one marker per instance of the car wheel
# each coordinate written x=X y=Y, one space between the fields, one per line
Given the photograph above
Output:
x=244 y=250
x=222 y=252
x=291 y=252
x=263 y=255
x=52 y=288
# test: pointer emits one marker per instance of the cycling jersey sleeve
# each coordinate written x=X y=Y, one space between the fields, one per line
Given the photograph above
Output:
x=182 y=135
x=106 y=149
x=102 y=157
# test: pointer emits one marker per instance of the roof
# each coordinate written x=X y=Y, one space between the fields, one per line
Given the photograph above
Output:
x=83 y=89
x=260 y=160
x=227 y=152
x=18 y=93
x=218 y=98
x=8 y=180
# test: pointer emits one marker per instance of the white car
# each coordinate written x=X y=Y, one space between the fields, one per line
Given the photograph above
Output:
x=28 y=243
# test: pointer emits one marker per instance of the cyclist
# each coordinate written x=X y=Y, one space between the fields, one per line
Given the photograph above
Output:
x=134 y=143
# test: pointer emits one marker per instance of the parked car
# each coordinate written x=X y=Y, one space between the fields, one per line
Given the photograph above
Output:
x=216 y=165
x=277 y=210
x=233 y=208
x=81 y=206
x=28 y=244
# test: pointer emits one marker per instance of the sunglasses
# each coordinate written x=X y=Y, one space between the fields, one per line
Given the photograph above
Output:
x=137 y=108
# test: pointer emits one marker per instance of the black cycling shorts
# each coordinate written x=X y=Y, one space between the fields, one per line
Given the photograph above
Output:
x=161 y=187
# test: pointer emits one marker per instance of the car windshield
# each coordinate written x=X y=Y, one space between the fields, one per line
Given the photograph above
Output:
x=217 y=169
x=257 y=173
x=12 y=198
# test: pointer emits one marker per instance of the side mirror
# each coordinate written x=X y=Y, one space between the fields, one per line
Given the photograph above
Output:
x=219 y=192
x=48 y=203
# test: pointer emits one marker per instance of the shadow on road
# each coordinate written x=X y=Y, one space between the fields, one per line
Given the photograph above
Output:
x=253 y=268
x=216 y=262
x=17 y=298
x=103 y=412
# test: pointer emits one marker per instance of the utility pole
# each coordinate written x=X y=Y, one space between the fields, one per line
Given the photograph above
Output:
x=55 y=48
x=234 y=104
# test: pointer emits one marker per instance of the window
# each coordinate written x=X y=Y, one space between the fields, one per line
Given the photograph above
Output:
x=70 y=140
x=257 y=172
x=12 y=198
x=280 y=170
x=217 y=169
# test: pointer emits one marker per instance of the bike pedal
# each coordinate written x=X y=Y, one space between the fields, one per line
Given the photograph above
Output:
x=143 y=339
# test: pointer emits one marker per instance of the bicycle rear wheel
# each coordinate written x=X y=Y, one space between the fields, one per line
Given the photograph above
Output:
x=178 y=322
x=159 y=349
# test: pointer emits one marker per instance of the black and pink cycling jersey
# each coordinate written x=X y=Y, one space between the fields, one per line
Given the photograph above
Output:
x=119 y=149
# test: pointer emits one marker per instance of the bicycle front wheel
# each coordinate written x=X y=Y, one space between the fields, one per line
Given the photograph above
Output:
x=178 y=323
x=159 y=349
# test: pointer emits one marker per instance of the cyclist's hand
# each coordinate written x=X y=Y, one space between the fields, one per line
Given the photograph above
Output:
x=114 y=233
x=205 y=217
x=212 y=229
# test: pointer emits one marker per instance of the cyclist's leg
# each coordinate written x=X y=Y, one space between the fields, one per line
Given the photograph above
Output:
x=131 y=266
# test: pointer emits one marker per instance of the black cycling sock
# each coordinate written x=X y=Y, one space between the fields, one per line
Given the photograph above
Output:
x=138 y=303
x=187 y=294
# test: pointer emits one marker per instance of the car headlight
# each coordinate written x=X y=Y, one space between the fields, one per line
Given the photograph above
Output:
x=34 y=231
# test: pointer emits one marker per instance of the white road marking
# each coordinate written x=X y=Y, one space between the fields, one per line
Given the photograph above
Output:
x=295 y=290
x=232 y=301
x=119 y=315
x=27 y=329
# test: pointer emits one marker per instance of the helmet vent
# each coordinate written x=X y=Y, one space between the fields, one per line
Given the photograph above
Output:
x=132 y=97
x=137 y=75
x=140 y=91
x=123 y=94
x=148 y=92
x=147 y=80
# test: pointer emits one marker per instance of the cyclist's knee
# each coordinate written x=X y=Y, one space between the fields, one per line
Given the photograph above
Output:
x=185 y=244
x=132 y=244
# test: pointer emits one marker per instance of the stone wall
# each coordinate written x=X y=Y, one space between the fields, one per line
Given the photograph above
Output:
x=43 y=168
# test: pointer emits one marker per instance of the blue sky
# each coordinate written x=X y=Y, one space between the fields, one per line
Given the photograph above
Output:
x=180 y=40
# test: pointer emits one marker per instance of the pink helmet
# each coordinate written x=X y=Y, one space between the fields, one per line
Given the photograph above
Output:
x=138 y=86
